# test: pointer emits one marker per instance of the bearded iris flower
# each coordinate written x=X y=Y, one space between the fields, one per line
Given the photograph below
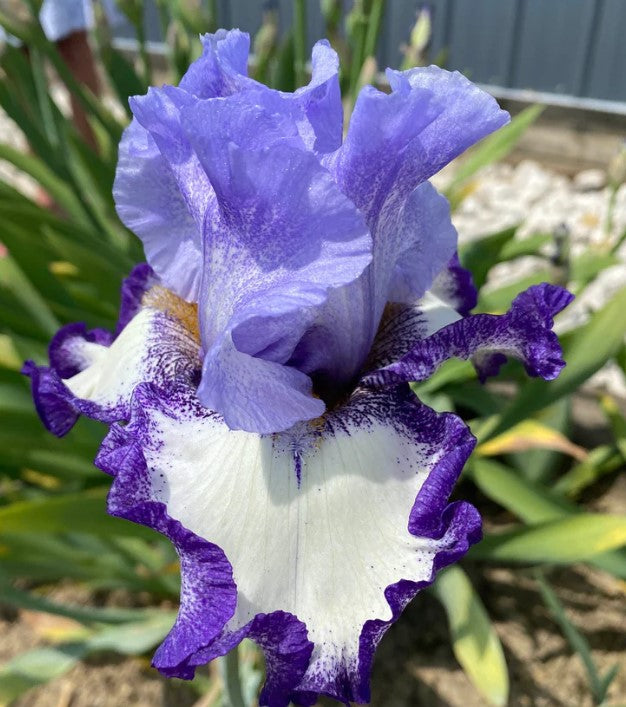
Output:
x=257 y=382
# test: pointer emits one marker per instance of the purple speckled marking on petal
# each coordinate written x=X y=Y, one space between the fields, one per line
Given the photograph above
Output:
x=523 y=332
x=208 y=593
x=68 y=352
x=158 y=350
x=294 y=670
x=64 y=351
x=401 y=327
x=454 y=286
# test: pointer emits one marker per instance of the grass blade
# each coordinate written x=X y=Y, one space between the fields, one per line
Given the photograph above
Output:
x=81 y=512
x=599 y=686
x=474 y=641
x=574 y=538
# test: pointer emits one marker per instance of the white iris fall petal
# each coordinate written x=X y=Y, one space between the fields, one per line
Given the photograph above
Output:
x=257 y=380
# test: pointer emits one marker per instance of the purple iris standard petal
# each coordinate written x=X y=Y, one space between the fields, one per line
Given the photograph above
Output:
x=222 y=68
x=467 y=114
x=317 y=605
x=391 y=149
x=149 y=202
x=455 y=286
x=283 y=235
x=160 y=190
x=397 y=141
x=317 y=108
x=524 y=332
x=159 y=112
x=320 y=102
x=427 y=242
x=160 y=193
x=383 y=136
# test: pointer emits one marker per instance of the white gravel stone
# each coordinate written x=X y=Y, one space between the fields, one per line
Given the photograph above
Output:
x=590 y=180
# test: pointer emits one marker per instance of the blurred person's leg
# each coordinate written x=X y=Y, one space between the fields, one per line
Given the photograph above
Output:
x=77 y=54
x=66 y=22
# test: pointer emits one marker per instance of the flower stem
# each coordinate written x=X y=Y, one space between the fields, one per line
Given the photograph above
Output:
x=375 y=19
x=231 y=678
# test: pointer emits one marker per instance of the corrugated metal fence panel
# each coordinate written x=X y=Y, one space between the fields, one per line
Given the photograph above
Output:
x=399 y=19
x=247 y=16
x=481 y=38
x=569 y=47
x=606 y=77
x=554 y=38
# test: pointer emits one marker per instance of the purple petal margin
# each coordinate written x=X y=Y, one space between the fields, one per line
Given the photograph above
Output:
x=140 y=279
x=57 y=407
x=455 y=286
x=208 y=597
x=59 y=350
x=208 y=593
x=431 y=517
x=52 y=399
x=523 y=332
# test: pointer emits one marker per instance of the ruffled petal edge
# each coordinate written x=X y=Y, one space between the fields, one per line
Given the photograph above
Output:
x=56 y=406
x=281 y=635
x=524 y=332
x=208 y=591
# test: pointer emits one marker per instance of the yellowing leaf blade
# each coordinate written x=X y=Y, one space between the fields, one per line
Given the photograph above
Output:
x=530 y=434
x=475 y=643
